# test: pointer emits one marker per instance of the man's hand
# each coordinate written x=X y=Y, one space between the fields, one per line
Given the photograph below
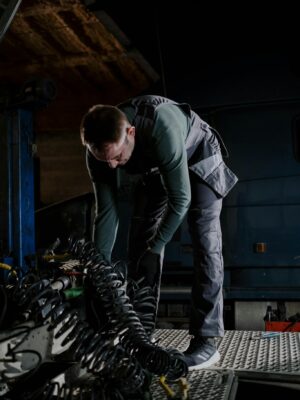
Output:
x=148 y=266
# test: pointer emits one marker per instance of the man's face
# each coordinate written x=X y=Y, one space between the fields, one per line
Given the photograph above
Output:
x=117 y=153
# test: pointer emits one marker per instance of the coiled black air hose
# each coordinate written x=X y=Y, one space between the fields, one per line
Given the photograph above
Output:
x=94 y=350
x=121 y=351
x=124 y=322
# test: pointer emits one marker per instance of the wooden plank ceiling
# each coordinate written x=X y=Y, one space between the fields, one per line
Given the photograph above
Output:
x=85 y=54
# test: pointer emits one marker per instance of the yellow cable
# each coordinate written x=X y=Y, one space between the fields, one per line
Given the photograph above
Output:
x=8 y=268
x=183 y=385
x=166 y=387
x=5 y=266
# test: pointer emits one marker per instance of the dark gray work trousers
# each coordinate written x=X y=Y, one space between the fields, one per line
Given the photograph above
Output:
x=206 y=317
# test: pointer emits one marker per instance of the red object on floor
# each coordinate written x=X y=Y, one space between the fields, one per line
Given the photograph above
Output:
x=279 y=326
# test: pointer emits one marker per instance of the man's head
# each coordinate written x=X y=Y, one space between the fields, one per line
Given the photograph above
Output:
x=107 y=133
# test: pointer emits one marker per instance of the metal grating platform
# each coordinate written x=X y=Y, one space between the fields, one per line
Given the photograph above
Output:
x=247 y=350
x=205 y=384
x=177 y=338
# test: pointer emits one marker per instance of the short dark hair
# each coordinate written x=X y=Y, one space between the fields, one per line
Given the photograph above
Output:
x=102 y=124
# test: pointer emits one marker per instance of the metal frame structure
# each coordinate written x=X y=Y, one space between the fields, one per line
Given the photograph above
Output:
x=17 y=185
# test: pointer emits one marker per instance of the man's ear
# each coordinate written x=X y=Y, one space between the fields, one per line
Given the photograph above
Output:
x=131 y=131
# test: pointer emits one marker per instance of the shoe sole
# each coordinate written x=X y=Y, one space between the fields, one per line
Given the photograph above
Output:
x=213 y=360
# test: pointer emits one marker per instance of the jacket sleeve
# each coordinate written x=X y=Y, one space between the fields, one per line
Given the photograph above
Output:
x=106 y=220
x=170 y=130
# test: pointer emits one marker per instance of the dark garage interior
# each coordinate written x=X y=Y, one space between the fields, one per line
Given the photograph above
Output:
x=77 y=325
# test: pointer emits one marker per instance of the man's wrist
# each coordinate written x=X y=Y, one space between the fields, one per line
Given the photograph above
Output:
x=154 y=248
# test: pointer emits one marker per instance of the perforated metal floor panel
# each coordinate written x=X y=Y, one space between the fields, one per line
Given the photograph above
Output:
x=178 y=338
x=247 y=350
x=205 y=384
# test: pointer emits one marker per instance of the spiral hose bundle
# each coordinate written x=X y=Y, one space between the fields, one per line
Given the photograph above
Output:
x=124 y=321
x=95 y=351
x=120 y=355
x=144 y=303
